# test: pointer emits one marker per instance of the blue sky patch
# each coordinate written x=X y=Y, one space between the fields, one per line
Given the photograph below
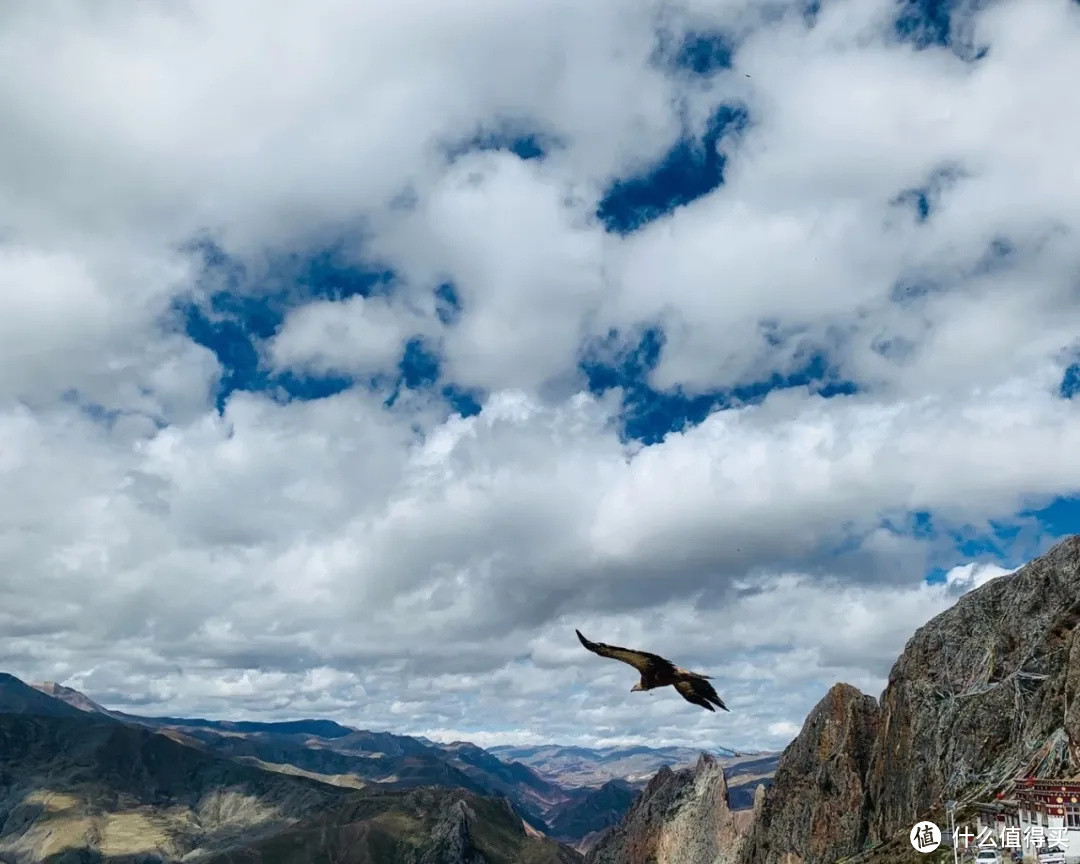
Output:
x=237 y=317
x=993 y=541
x=419 y=366
x=649 y=415
x=930 y=23
x=517 y=137
x=232 y=330
x=925 y=22
x=915 y=523
x=329 y=275
x=1070 y=382
x=1008 y=542
x=1059 y=517
x=690 y=170
x=447 y=303
x=699 y=53
x=466 y=402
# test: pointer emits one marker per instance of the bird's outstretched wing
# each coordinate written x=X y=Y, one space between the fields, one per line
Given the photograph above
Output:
x=643 y=661
x=700 y=692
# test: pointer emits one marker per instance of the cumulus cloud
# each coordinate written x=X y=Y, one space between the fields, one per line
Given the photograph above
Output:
x=968 y=577
x=358 y=335
x=319 y=535
x=909 y=214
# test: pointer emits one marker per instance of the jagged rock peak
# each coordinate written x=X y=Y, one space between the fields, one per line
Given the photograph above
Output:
x=682 y=817
x=759 y=799
x=452 y=838
x=814 y=812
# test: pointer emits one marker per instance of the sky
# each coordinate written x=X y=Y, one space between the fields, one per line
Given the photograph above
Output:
x=353 y=355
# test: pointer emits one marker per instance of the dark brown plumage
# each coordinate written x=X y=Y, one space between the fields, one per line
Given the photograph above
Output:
x=658 y=672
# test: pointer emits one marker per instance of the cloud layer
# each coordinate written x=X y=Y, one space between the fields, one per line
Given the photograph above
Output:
x=184 y=528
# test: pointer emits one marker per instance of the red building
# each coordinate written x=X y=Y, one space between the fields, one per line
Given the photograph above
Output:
x=1046 y=812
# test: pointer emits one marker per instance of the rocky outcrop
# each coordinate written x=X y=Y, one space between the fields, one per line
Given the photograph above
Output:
x=451 y=841
x=682 y=817
x=815 y=809
x=984 y=692
x=72 y=697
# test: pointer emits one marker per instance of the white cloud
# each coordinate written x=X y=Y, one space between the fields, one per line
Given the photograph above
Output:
x=287 y=538
x=784 y=729
x=355 y=335
x=392 y=567
x=968 y=577
x=529 y=268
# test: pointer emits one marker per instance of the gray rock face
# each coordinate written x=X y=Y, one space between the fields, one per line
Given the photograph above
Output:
x=984 y=692
x=815 y=809
x=682 y=817
x=451 y=842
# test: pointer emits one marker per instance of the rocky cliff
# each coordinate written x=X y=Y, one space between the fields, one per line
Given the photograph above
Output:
x=815 y=810
x=984 y=692
x=682 y=817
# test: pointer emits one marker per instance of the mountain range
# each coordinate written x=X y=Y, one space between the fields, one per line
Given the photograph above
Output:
x=982 y=694
x=81 y=782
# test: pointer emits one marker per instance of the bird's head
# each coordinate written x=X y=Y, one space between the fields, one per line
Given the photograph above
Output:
x=636 y=687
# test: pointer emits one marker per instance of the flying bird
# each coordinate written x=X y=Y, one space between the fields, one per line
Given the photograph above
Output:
x=658 y=672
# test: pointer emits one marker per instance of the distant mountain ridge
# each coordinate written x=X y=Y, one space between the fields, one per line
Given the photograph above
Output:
x=573 y=765
x=80 y=785
x=376 y=763
x=590 y=812
x=72 y=697
x=583 y=792
x=17 y=697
